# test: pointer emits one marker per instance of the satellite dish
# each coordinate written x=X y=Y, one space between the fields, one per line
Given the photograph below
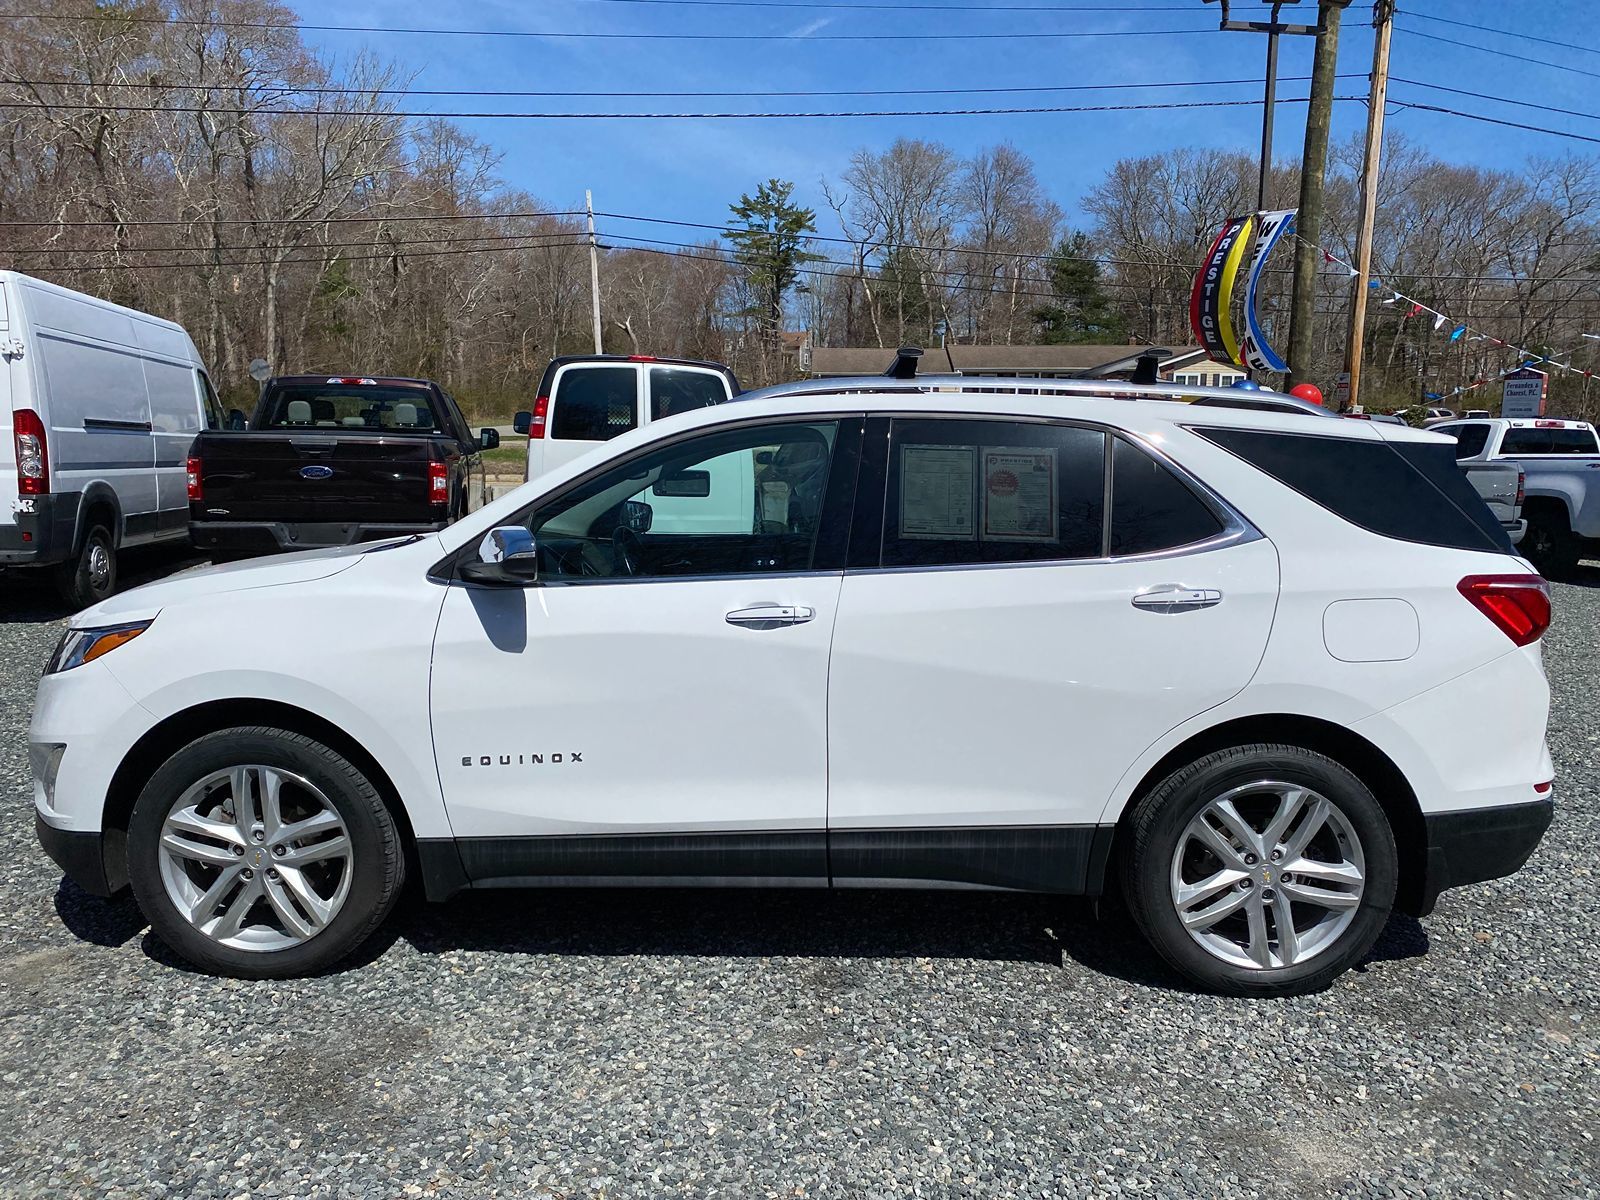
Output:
x=260 y=370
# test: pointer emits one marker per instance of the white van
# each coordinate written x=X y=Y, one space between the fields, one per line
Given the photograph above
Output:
x=587 y=399
x=98 y=406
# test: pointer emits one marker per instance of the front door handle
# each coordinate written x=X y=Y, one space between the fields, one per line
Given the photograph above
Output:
x=770 y=616
x=1174 y=598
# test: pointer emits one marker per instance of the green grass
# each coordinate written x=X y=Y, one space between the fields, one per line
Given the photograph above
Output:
x=512 y=453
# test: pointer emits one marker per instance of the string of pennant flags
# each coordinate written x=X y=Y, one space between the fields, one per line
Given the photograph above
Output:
x=1459 y=330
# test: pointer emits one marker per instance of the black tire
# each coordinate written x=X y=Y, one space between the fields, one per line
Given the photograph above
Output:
x=1549 y=543
x=1160 y=819
x=376 y=863
x=90 y=575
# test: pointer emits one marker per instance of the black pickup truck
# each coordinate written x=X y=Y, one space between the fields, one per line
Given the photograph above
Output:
x=328 y=461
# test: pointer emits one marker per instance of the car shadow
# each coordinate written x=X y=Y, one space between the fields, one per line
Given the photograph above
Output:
x=1585 y=575
x=28 y=597
x=1049 y=931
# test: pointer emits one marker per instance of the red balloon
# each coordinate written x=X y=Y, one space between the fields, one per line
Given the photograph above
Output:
x=1307 y=391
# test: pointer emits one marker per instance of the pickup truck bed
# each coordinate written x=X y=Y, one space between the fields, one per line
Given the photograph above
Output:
x=328 y=462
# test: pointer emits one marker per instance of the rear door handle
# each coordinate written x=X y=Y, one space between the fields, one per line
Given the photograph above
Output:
x=1174 y=598
x=770 y=616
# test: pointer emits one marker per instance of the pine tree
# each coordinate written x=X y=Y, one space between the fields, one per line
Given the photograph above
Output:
x=1080 y=311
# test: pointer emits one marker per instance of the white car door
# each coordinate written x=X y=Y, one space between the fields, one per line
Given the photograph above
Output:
x=655 y=706
x=1013 y=646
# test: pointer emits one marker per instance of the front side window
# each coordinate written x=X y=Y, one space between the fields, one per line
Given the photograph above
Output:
x=1151 y=508
x=977 y=491
x=734 y=502
x=675 y=390
x=594 y=404
x=215 y=418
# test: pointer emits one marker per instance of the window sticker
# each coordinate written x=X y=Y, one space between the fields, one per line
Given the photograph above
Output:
x=1019 y=494
x=936 y=492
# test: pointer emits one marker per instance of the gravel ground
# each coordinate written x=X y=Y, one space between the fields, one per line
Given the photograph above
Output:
x=657 y=1044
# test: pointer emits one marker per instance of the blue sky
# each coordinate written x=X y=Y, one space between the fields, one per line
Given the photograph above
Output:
x=692 y=169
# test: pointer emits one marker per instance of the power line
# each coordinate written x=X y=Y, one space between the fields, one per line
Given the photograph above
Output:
x=1406 y=12
x=202 y=219
x=1434 y=37
x=162 y=85
x=1452 y=112
x=1150 y=106
x=898 y=35
x=1439 y=87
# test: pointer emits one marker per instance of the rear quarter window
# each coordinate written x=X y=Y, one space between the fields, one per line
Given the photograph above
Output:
x=1410 y=491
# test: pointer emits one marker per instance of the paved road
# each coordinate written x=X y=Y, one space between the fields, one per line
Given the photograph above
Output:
x=667 y=1044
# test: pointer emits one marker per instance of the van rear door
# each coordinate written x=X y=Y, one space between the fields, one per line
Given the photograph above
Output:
x=10 y=328
x=589 y=403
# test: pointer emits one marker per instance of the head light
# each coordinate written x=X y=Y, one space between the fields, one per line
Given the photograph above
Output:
x=78 y=646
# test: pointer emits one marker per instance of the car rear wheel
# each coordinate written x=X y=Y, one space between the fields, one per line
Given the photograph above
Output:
x=90 y=575
x=1262 y=870
x=1549 y=543
x=260 y=853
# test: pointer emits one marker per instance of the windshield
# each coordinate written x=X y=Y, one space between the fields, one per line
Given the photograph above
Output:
x=356 y=407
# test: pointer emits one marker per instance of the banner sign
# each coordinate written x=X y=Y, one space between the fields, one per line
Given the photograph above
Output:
x=1258 y=353
x=1522 y=394
x=1211 y=301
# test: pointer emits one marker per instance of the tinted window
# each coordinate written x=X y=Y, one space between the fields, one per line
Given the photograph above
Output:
x=354 y=407
x=674 y=390
x=594 y=404
x=1532 y=440
x=744 y=501
x=973 y=491
x=1409 y=490
x=1470 y=439
x=1151 y=508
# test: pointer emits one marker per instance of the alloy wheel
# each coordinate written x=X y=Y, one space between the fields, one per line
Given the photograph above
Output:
x=255 y=858
x=1268 y=875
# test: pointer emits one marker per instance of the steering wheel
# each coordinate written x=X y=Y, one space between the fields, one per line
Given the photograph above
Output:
x=625 y=550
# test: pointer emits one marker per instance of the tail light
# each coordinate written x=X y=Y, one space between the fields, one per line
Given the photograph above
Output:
x=197 y=490
x=1519 y=605
x=439 y=483
x=541 y=410
x=33 y=459
x=1522 y=486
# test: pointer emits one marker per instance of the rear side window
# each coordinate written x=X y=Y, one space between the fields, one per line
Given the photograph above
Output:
x=1151 y=508
x=1532 y=440
x=1470 y=439
x=594 y=404
x=1412 y=491
x=674 y=390
x=973 y=491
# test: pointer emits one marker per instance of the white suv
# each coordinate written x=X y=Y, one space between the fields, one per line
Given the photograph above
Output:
x=960 y=633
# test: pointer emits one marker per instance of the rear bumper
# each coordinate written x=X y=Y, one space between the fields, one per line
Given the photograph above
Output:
x=272 y=537
x=1472 y=845
x=83 y=855
x=1515 y=530
x=45 y=534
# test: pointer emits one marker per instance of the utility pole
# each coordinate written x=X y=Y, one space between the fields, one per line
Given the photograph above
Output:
x=594 y=270
x=1383 y=24
x=1269 y=102
x=1313 y=172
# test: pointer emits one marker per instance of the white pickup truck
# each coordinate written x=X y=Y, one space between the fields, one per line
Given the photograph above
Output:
x=1561 y=465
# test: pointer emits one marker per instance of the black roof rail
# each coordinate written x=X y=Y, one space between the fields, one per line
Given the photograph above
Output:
x=905 y=363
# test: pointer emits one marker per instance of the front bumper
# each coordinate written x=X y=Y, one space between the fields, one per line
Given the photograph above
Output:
x=1475 y=844
x=274 y=537
x=97 y=862
x=44 y=531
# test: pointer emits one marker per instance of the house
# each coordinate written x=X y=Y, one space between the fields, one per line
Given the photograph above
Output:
x=1187 y=364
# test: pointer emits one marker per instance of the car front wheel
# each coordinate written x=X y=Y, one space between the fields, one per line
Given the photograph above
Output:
x=1261 y=870
x=260 y=853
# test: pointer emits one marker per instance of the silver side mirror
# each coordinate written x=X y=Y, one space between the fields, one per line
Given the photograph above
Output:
x=507 y=557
